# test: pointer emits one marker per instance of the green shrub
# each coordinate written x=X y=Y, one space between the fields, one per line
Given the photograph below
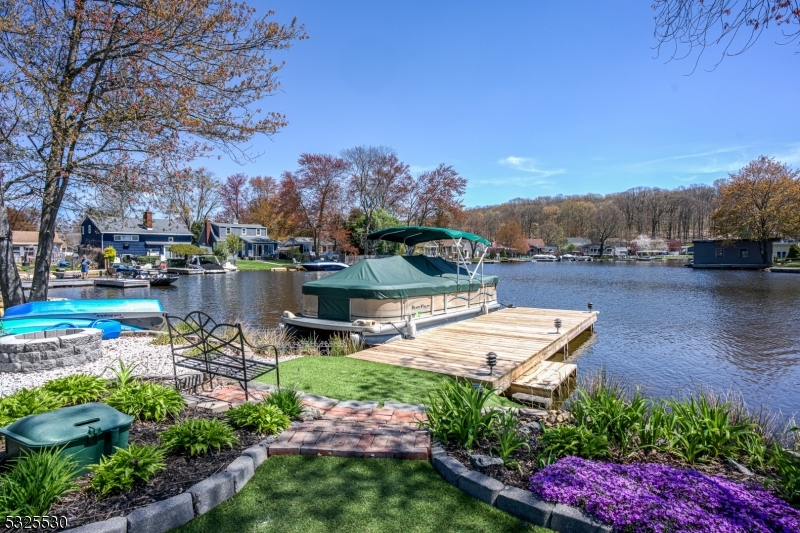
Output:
x=120 y=471
x=198 y=437
x=36 y=480
x=341 y=346
x=259 y=417
x=509 y=437
x=703 y=430
x=146 y=401
x=562 y=441
x=794 y=252
x=455 y=411
x=606 y=411
x=27 y=402
x=287 y=400
x=656 y=428
x=78 y=388
x=162 y=339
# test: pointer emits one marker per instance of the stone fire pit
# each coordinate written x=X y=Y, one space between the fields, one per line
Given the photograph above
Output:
x=46 y=350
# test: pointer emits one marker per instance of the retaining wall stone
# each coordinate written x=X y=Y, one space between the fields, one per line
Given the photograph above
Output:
x=211 y=492
x=566 y=519
x=480 y=486
x=257 y=453
x=46 y=350
x=525 y=505
x=242 y=470
x=448 y=468
x=112 y=525
x=160 y=517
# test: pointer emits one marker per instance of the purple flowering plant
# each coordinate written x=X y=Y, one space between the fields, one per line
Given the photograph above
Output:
x=655 y=498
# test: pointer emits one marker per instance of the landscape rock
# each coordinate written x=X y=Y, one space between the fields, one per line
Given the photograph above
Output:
x=738 y=467
x=532 y=428
x=483 y=461
x=309 y=413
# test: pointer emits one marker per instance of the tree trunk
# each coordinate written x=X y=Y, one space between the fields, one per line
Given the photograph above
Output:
x=10 y=284
x=53 y=192
x=762 y=245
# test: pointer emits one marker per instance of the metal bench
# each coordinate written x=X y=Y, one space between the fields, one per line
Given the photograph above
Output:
x=200 y=344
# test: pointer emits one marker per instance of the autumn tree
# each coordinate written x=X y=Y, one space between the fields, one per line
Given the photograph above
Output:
x=377 y=180
x=511 y=236
x=314 y=191
x=434 y=195
x=24 y=219
x=759 y=202
x=683 y=26
x=263 y=207
x=94 y=91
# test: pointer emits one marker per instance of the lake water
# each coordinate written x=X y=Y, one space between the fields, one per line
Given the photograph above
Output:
x=662 y=325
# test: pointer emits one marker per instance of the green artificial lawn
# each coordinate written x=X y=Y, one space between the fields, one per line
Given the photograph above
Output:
x=353 y=379
x=329 y=494
x=247 y=265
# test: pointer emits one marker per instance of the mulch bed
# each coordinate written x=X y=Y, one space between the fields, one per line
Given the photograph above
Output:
x=527 y=460
x=84 y=507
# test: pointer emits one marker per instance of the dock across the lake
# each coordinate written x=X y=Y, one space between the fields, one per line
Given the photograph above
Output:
x=523 y=339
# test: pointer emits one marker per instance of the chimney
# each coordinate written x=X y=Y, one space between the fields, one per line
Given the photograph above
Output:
x=148 y=219
x=208 y=232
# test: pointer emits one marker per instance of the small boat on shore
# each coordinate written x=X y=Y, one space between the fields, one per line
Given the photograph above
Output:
x=324 y=265
x=583 y=258
x=136 y=313
x=208 y=263
x=380 y=300
x=18 y=326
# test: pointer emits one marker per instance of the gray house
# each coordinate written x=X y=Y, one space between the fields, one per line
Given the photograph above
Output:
x=255 y=242
x=739 y=254
x=134 y=237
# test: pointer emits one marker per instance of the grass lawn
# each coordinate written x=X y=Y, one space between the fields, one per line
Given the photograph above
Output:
x=247 y=265
x=329 y=494
x=352 y=379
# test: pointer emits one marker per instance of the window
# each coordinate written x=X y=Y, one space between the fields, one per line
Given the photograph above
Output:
x=742 y=252
x=244 y=231
x=169 y=239
x=227 y=231
x=83 y=230
x=718 y=252
x=258 y=232
x=126 y=238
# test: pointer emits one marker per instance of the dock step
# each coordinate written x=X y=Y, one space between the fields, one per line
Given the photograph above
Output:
x=546 y=379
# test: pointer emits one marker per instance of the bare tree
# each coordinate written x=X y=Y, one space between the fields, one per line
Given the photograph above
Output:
x=604 y=223
x=191 y=195
x=434 y=194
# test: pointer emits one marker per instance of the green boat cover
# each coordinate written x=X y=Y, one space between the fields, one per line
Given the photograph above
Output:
x=412 y=235
x=394 y=277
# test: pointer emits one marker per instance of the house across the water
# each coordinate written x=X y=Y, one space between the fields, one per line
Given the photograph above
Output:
x=737 y=254
x=134 y=237
x=25 y=244
x=256 y=243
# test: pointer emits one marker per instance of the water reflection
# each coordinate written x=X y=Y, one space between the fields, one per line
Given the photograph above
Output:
x=665 y=326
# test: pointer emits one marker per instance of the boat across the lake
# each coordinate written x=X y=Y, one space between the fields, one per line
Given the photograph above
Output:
x=133 y=313
x=323 y=265
x=544 y=258
x=379 y=300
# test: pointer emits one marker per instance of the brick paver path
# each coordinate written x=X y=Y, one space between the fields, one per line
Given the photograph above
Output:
x=348 y=429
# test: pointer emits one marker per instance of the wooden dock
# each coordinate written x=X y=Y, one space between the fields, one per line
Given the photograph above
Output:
x=523 y=338
x=121 y=283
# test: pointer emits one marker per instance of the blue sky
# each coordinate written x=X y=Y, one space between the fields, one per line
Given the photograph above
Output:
x=524 y=98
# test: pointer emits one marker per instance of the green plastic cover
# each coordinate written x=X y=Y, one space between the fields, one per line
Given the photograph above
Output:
x=412 y=235
x=390 y=278
x=65 y=425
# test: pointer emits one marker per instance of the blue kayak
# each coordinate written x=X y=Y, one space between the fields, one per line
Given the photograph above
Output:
x=137 y=313
x=17 y=326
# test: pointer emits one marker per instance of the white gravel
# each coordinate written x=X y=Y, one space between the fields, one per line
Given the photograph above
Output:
x=152 y=360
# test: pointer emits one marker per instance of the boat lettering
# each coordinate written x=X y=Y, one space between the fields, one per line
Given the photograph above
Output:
x=418 y=307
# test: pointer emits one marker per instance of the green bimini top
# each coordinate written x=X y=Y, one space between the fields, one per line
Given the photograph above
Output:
x=397 y=277
x=412 y=235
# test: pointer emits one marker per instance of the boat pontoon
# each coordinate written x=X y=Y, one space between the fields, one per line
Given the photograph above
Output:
x=379 y=300
x=324 y=265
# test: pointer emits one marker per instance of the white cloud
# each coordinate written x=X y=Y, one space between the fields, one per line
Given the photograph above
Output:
x=517 y=181
x=527 y=164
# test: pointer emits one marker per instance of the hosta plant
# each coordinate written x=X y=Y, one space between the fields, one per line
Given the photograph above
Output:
x=198 y=436
x=146 y=401
x=78 y=388
x=259 y=417
x=118 y=472
x=26 y=402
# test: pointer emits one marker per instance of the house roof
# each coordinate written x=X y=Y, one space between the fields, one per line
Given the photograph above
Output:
x=137 y=227
x=539 y=243
x=238 y=225
x=257 y=240
x=31 y=237
x=578 y=241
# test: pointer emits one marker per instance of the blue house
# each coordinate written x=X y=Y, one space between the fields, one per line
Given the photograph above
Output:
x=738 y=254
x=134 y=237
x=256 y=243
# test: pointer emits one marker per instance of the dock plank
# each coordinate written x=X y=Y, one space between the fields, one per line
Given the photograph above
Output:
x=523 y=338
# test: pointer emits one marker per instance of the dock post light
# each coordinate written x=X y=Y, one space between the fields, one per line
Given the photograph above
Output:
x=491 y=361
x=590 y=305
x=558 y=324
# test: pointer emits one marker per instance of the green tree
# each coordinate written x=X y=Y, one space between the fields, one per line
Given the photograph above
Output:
x=234 y=244
x=186 y=250
x=381 y=218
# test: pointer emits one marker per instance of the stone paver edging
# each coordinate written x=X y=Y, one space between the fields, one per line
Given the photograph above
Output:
x=523 y=504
